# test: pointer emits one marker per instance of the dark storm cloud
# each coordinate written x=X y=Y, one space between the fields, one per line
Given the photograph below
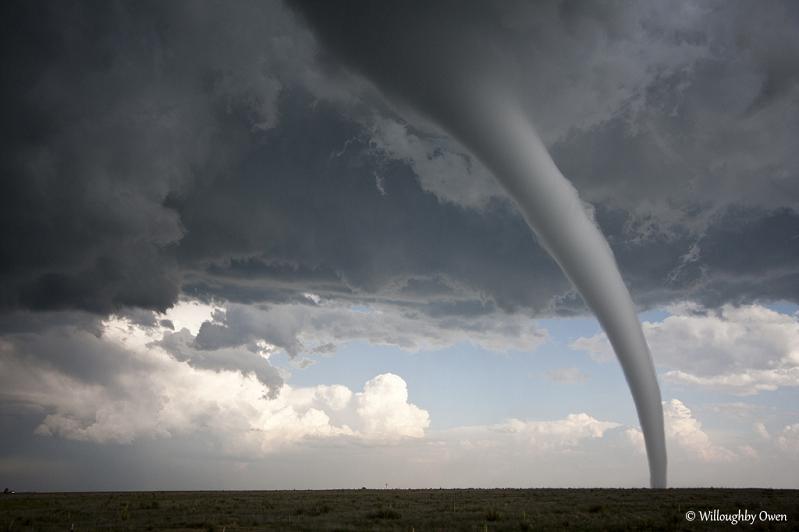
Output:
x=695 y=76
x=200 y=148
x=304 y=220
x=108 y=109
x=751 y=256
x=81 y=215
x=678 y=126
x=743 y=255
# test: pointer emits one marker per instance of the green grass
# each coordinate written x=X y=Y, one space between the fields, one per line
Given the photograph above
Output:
x=405 y=510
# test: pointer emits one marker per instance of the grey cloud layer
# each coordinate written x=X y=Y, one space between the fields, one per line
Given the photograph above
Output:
x=319 y=328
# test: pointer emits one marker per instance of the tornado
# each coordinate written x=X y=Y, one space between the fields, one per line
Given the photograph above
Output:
x=440 y=59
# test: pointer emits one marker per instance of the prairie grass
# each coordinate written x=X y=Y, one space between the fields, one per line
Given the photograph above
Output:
x=385 y=510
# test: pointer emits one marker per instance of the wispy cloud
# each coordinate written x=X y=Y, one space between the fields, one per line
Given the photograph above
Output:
x=567 y=375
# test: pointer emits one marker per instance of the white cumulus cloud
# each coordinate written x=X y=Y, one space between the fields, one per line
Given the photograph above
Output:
x=743 y=350
x=384 y=408
x=788 y=439
x=684 y=435
x=147 y=393
x=562 y=433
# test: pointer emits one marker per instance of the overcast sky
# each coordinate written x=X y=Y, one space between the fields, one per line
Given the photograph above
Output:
x=229 y=260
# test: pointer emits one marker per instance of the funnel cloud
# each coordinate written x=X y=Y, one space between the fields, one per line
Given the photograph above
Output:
x=440 y=61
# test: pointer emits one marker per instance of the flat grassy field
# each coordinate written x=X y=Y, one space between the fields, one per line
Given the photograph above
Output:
x=407 y=510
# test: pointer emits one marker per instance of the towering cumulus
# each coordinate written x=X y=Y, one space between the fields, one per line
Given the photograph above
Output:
x=442 y=59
